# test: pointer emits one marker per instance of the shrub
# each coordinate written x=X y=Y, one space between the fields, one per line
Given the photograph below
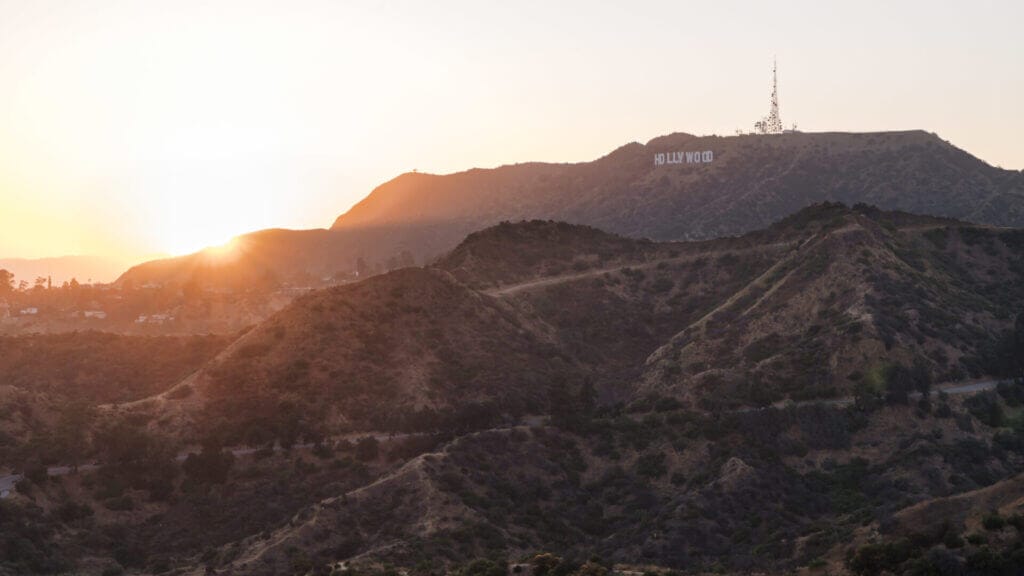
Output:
x=993 y=521
x=986 y=408
x=878 y=558
x=71 y=511
x=210 y=466
x=120 y=504
x=651 y=465
x=367 y=449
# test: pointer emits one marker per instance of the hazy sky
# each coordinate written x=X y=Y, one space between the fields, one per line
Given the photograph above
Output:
x=129 y=128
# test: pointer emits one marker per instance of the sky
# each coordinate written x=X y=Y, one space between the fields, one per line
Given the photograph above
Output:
x=129 y=129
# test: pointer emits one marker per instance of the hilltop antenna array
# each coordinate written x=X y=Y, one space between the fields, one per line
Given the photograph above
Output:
x=771 y=124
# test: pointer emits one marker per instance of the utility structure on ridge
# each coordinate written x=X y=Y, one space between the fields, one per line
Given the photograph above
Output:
x=771 y=124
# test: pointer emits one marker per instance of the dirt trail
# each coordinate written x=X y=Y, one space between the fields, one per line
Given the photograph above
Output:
x=566 y=278
x=950 y=389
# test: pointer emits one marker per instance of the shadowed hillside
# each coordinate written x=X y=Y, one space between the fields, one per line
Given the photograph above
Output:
x=820 y=305
x=862 y=291
x=409 y=350
x=551 y=387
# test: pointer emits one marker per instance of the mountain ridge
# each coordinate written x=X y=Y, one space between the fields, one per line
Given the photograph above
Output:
x=751 y=182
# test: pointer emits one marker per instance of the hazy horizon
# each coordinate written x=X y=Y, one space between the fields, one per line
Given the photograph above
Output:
x=137 y=129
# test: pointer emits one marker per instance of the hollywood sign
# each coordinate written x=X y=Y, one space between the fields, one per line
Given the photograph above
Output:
x=705 y=157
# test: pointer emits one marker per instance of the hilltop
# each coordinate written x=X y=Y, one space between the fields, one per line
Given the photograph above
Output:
x=751 y=182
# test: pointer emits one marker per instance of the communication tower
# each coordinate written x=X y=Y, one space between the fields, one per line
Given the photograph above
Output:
x=771 y=124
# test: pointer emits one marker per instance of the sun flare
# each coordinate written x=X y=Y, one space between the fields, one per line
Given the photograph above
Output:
x=223 y=253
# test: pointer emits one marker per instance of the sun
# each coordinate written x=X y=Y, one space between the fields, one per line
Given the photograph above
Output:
x=194 y=222
x=223 y=253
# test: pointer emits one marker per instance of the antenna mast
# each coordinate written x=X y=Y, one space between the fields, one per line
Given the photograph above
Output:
x=771 y=124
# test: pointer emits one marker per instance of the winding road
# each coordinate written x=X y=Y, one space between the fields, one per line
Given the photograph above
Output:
x=545 y=281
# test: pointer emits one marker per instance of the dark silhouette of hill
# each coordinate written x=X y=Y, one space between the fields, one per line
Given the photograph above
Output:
x=752 y=182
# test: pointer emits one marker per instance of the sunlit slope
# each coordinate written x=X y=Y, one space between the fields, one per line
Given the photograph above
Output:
x=752 y=182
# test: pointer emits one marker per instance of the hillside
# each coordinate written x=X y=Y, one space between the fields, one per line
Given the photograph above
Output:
x=820 y=305
x=857 y=294
x=50 y=384
x=548 y=387
x=735 y=493
x=410 y=350
x=101 y=367
x=752 y=182
x=816 y=306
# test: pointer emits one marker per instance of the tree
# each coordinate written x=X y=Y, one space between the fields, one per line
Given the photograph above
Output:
x=6 y=281
x=192 y=290
x=591 y=569
x=483 y=567
x=137 y=458
x=900 y=381
x=898 y=385
x=368 y=449
x=210 y=466
x=544 y=563
x=362 y=269
x=70 y=442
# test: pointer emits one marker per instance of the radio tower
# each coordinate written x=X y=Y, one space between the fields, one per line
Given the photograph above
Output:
x=771 y=124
